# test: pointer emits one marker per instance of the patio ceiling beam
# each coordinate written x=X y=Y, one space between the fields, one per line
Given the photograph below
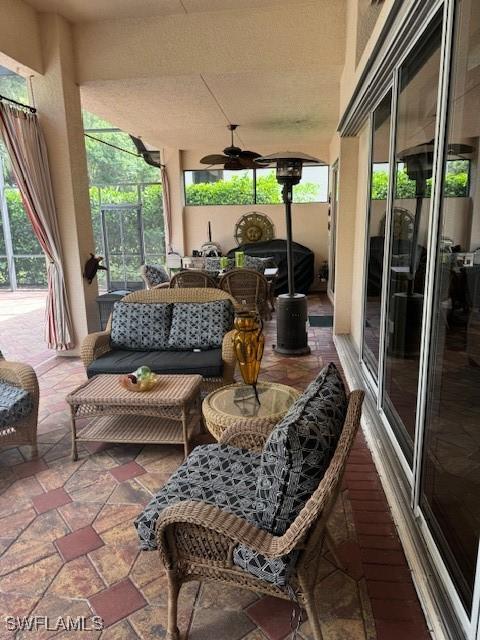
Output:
x=20 y=52
x=212 y=42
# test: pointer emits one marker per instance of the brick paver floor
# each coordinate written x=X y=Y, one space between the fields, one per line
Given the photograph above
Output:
x=68 y=546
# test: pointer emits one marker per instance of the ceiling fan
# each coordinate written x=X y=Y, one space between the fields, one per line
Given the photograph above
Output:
x=233 y=158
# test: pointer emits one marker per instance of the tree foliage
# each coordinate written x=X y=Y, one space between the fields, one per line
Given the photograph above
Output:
x=239 y=189
x=107 y=165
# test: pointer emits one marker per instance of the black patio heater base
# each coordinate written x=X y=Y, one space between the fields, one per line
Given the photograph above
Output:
x=292 y=315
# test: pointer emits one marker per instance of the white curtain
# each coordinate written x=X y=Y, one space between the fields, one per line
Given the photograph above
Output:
x=28 y=153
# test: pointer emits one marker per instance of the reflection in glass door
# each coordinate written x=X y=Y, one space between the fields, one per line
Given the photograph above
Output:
x=415 y=131
x=450 y=481
x=377 y=217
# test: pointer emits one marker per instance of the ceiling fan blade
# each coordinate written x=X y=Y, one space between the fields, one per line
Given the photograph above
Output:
x=215 y=158
x=248 y=163
x=251 y=155
x=233 y=164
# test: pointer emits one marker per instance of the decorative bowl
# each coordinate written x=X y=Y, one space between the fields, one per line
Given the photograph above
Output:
x=144 y=384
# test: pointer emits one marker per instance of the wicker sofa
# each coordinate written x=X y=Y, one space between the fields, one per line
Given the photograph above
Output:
x=19 y=398
x=99 y=356
x=252 y=510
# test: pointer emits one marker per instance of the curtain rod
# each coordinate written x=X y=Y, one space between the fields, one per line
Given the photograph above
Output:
x=19 y=104
x=114 y=146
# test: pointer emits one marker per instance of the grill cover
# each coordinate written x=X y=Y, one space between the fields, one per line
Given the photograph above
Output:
x=303 y=260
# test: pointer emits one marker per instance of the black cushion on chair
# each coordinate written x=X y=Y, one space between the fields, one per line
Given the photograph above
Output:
x=208 y=364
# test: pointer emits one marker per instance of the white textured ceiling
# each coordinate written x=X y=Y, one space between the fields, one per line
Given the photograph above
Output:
x=188 y=112
x=77 y=11
x=177 y=78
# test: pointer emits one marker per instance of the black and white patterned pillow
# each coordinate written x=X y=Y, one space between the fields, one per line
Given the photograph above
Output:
x=299 y=449
x=15 y=404
x=200 y=325
x=156 y=274
x=141 y=326
x=213 y=264
x=252 y=262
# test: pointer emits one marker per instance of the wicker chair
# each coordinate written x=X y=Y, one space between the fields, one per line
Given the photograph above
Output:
x=196 y=540
x=96 y=344
x=249 y=288
x=154 y=277
x=191 y=278
x=23 y=430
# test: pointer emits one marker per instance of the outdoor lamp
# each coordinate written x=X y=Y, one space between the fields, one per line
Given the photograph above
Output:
x=292 y=312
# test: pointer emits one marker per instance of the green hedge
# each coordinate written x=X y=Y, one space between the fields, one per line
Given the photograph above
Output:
x=31 y=272
x=239 y=190
x=456 y=183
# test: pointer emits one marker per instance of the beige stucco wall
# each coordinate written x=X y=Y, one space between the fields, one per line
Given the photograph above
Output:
x=20 y=47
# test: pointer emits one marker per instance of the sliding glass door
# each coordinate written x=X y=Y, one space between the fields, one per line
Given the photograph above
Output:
x=450 y=479
x=414 y=147
x=376 y=225
x=421 y=322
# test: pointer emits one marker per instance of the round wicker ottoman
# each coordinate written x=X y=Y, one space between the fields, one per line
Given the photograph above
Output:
x=236 y=404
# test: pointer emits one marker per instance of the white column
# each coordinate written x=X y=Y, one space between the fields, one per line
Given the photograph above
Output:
x=345 y=236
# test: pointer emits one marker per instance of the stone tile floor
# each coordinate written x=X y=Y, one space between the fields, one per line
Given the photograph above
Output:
x=68 y=547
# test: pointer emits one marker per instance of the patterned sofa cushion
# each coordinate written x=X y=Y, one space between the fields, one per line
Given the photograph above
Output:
x=225 y=477
x=141 y=326
x=156 y=274
x=200 y=325
x=299 y=449
x=15 y=404
x=220 y=475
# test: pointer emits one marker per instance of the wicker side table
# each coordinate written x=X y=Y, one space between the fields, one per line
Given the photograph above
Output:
x=168 y=414
x=235 y=404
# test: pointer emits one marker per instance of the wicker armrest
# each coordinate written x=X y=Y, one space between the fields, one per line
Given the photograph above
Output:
x=93 y=346
x=228 y=357
x=252 y=438
x=19 y=374
x=162 y=285
x=203 y=530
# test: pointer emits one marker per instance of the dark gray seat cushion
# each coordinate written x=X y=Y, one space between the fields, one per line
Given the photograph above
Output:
x=208 y=363
x=15 y=404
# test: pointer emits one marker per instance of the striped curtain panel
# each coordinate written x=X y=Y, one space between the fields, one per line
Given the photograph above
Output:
x=167 y=208
x=28 y=153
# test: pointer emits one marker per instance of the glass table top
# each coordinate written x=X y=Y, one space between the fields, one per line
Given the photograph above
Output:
x=239 y=400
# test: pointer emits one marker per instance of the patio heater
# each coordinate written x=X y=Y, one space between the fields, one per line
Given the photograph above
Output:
x=407 y=306
x=292 y=338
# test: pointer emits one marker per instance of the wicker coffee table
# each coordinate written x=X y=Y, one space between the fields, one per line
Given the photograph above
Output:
x=236 y=404
x=168 y=414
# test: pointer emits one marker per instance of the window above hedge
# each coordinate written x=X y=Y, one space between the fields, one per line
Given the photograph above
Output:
x=205 y=187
